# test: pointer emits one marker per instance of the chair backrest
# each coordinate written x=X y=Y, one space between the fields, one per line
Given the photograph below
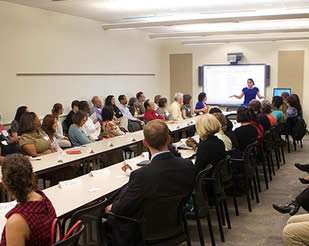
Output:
x=218 y=175
x=163 y=217
x=249 y=157
x=199 y=192
x=89 y=214
x=73 y=239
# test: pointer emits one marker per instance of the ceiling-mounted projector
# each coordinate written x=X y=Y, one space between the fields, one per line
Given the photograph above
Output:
x=234 y=58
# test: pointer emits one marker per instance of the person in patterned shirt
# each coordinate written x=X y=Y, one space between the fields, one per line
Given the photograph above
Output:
x=30 y=221
x=108 y=124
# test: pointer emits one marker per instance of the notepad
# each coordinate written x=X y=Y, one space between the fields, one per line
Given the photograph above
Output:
x=69 y=183
x=100 y=172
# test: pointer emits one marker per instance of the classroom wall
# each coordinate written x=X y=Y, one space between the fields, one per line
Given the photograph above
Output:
x=217 y=54
x=40 y=41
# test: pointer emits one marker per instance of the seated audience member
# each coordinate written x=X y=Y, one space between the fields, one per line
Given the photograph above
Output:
x=15 y=123
x=292 y=207
x=255 y=121
x=266 y=109
x=229 y=128
x=68 y=120
x=134 y=110
x=221 y=135
x=163 y=109
x=296 y=231
x=293 y=107
x=141 y=99
x=156 y=102
x=8 y=144
x=186 y=107
x=63 y=141
x=175 y=107
x=276 y=104
x=255 y=106
x=134 y=124
x=30 y=221
x=210 y=150
x=90 y=128
x=150 y=113
x=49 y=126
x=246 y=133
x=201 y=107
x=108 y=124
x=164 y=175
x=97 y=108
x=118 y=116
x=76 y=135
x=284 y=105
x=298 y=106
x=33 y=141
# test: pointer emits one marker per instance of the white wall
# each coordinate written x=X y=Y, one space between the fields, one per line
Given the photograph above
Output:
x=38 y=41
x=217 y=54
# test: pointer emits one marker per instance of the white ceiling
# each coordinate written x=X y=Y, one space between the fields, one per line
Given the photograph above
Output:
x=132 y=11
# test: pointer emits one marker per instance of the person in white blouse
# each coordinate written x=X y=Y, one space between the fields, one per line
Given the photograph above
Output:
x=62 y=140
x=91 y=128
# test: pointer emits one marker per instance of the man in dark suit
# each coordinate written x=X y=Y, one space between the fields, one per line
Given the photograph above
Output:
x=165 y=175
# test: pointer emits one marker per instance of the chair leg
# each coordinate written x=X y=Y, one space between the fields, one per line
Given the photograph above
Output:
x=269 y=168
x=186 y=230
x=251 y=190
x=198 y=221
x=272 y=163
x=301 y=143
x=294 y=143
x=288 y=142
x=258 y=179
x=227 y=215
x=248 y=200
x=222 y=213
x=235 y=205
x=277 y=155
x=283 y=156
x=265 y=175
x=219 y=223
x=211 y=233
x=255 y=190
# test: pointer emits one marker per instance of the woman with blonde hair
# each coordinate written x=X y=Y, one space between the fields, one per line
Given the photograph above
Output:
x=210 y=149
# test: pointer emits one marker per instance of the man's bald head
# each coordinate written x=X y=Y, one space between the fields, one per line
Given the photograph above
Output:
x=96 y=101
x=156 y=134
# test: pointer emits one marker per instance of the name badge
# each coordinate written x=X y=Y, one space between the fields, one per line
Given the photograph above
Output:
x=4 y=142
x=46 y=138
x=156 y=114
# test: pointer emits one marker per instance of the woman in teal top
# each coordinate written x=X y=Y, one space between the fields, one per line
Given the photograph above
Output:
x=77 y=137
x=276 y=104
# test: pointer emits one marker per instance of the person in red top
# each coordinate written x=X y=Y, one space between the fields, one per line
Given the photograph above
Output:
x=30 y=221
x=150 y=113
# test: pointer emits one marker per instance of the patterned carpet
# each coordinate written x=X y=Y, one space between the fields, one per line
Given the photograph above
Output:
x=262 y=227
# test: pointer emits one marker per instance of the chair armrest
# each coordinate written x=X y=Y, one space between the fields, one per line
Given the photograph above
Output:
x=123 y=217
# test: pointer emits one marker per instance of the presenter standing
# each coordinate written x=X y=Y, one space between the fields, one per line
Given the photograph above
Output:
x=250 y=93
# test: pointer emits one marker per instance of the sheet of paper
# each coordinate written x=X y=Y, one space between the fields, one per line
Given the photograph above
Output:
x=7 y=206
x=101 y=172
x=93 y=117
x=69 y=183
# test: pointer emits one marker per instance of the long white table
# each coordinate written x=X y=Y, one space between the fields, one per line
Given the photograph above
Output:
x=52 y=161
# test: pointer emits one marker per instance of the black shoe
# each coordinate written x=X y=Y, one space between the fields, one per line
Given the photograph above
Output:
x=284 y=209
x=302 y=167
x=303 y=181
x=294 y=208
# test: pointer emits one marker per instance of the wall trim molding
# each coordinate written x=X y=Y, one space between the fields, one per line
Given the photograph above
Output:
x=82 y=74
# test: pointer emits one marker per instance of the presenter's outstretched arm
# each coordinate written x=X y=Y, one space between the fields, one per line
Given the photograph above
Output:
x=259 y=95
x=240 y=96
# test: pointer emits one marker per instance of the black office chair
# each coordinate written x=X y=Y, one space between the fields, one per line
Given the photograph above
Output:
x=91 y=216
x=163 y=222
x=72 y=240
x=216 y=193
x=247 y=172
x=201 y=206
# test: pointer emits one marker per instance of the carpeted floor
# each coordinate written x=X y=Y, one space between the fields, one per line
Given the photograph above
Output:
x=262 y=227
